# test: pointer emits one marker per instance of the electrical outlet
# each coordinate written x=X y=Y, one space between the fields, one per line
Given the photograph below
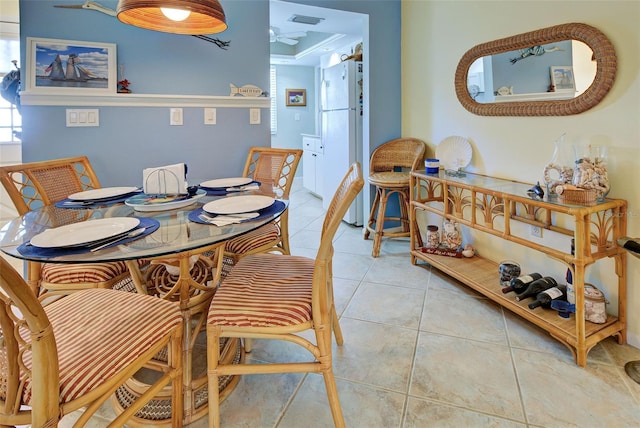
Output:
x=536 y=231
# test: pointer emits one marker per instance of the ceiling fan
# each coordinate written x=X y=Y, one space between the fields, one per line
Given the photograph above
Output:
x=287 y=38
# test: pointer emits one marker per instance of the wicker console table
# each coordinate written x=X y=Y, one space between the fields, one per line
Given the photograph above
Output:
x=494 y=206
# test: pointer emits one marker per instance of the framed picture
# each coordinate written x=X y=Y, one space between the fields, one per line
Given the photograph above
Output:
x=297 y=97
x=562 y=79
x=68 y=66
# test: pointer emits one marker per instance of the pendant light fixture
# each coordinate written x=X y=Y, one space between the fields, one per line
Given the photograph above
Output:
x=194 y=17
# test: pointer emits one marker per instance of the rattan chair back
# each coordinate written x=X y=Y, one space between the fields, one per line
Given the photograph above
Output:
x=273 y=166
x=32 y=185
x=55 y=359
x=406 y=153
x=269 y=166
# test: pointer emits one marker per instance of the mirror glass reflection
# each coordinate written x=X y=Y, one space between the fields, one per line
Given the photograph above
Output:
x=553 y=71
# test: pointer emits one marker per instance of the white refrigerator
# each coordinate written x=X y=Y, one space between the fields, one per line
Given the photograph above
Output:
x=341 y=113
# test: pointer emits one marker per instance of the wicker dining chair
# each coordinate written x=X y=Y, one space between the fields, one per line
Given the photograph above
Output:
x=273 y=296
x=275 y=167
x=75 y=352
x=33 y=185
x=389 y=171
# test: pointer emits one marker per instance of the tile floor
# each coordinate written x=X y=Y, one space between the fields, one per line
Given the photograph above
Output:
x=421 y=350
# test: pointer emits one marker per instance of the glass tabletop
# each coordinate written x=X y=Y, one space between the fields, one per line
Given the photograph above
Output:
x=176 y=234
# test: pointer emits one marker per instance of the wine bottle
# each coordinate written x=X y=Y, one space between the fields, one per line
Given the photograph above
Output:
x=571 y=295
x=536 y=287
x=544 y=298
x=520 y=283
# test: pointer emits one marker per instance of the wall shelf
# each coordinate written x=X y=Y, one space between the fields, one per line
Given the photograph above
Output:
x=541 y=96
x=143 y=100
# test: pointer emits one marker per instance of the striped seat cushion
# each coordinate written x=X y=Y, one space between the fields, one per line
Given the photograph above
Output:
x=99 y=332
x=264 y=290
x=254 y=239
x=56 y=273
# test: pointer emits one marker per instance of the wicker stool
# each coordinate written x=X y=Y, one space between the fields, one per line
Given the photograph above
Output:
x=390 y=172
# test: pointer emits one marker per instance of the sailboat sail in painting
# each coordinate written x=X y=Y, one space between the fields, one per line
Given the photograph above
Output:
x=68 y=64
x=73 y=72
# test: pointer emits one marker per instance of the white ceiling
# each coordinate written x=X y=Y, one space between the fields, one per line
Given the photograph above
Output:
x=336 y=30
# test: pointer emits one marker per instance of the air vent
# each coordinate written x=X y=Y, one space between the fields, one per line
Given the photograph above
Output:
x=301 y=19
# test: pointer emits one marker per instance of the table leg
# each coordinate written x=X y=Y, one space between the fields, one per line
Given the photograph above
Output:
x=192 y=288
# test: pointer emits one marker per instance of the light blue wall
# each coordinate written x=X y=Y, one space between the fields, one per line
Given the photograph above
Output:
x=131 y=138
x=289 y=129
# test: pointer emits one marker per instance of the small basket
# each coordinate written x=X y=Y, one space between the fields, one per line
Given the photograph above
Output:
x=578 y=196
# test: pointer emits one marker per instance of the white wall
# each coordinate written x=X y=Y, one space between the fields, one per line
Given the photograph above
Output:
x=435 y=35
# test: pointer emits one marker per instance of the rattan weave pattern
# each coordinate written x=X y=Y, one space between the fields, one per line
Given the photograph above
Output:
x=603 y=53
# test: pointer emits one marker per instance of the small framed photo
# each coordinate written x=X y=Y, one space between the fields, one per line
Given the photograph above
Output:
x=562 y=79
x=70 y=67
x=296 y=97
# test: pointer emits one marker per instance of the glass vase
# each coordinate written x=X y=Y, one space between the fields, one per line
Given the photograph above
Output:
x=591 y=170
x=559 y=170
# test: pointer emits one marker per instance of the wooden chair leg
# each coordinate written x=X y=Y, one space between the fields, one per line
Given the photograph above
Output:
x=337 y=330
x=213 y=359
x=403 y=199
x=334 y=401
x=372 y=214
x=377 y=237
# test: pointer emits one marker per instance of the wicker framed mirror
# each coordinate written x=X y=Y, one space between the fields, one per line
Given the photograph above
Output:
x=604 y=55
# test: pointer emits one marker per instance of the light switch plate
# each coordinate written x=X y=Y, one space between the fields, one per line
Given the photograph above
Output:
x=210 y=116
x=176 y=116
x=254 y=116
x=82 y=117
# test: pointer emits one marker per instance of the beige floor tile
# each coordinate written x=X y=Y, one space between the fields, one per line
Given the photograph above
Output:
x=525 y=335
x=422 y=413
x=362 y=406
x=475 y=375
x=351 y=266
x=398 y=270
x=450 y=313
x=372 y=302
x=594 y=396
x=375 y=354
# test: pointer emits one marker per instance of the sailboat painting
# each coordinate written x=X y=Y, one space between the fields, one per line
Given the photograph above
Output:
x=64 y=66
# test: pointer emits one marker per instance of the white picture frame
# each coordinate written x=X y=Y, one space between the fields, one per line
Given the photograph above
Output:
x=49 y=71
x=562 y=78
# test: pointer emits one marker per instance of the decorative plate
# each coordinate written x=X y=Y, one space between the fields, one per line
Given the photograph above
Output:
x=222 y=183
x=102 y=193
x=144 y=202
x=83 y=233
x=454 y=152
x=238 y=204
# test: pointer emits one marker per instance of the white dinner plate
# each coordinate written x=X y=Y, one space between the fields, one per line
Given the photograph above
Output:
x=226 y=182
x=144 y=202
x=238 y=204
x=71 y=235
x=102 y=193
x=454 y=152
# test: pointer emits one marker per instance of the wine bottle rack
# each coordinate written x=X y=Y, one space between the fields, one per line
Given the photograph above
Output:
x=493 y=206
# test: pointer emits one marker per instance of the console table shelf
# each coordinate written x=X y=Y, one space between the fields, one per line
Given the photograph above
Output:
x=494 y=206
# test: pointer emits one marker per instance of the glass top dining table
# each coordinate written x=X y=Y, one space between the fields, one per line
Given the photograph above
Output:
x=176 y=233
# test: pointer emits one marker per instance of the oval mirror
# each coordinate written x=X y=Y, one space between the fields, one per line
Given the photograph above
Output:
x=555 y=71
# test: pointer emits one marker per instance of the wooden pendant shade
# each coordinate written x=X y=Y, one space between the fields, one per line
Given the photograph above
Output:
x=206 y=17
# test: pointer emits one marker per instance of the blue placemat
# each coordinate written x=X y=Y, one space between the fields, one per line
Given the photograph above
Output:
x=29 y=250
x=276 y=207
x=73 y=204
x=222 y=191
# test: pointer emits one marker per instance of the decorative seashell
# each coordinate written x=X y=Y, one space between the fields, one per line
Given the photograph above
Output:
x=468 y=252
